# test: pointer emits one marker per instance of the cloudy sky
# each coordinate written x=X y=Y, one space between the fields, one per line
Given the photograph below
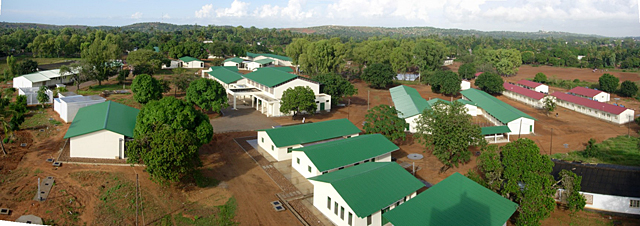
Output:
x=612 y=18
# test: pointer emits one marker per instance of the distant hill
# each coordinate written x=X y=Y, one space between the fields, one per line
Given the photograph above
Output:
x=133 y=27
x=364 y=32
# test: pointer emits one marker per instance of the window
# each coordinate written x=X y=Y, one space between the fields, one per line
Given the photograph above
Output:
x=317 y=102
x=369 y=220
x=335 y=208
x=634 y=203
x=342 y=212
x=328 y=202
x=298 y=160
x=309 y=168
x=341 y=168
x=373 y=160
x=263 y=140
x=327 y=101
x=350 y=218
x=289 y=150
x=366 y=160
x=272 y=148
x=357 y=163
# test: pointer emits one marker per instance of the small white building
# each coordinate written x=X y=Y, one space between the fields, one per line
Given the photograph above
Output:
x=277 y=59
x=524 y=95
x=538 y=87
x=190 y=62
x=280 y=142
x=315 y=160
x=68 y=107
x=41 y=78
x=593 y=94
x=409 y=104
x=172 y=65
x=456 y=200
x=359 y=195
x=235 y=62
x=32 y=95
x=101 y=130
x=605 y=188
x=471 y=107
x=465 y=85
x=604 y=111
x=500 y=113
x=254 y=65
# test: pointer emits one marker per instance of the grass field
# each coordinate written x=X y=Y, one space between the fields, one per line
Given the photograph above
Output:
x=41 y=61
x=621 y=150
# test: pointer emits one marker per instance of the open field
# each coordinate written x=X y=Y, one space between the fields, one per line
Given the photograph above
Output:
x=41 y=61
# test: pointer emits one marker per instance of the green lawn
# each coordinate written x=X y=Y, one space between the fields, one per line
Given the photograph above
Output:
x=222 y=215
x=95 y=90
x=621 y=150
x=41 y=61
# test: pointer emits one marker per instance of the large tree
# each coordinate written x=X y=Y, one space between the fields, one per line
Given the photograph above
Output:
x=446 y=129
x=11 y=114
x=146 y=88
x=490 y=82
x=167 y=136
x=505 y=61
x=540 y=78
x=43 y=97
x=384 y=119
x=608 y=83
x=207 y=94
x=336 y=86
x=445 y=82
x=79 y=72
x=378 y=75
x=146 y=61
x=27 y=66
x=298 y=99
x=467 y=71
x=429 y=54
x=628 y=89
x=99 y=55
x=520 y=173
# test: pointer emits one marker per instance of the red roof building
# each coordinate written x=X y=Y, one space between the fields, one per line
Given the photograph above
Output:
x=478 y=73
x=528 y=83
x=523 y=91
x=613 y=109
x=582 y=91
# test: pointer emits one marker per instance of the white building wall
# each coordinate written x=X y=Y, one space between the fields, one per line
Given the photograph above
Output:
x=68 y=111
x=19 y=82
x=465 y=85
x=231 y=63
x=542 y=89
x=602 y=97
x=412 y=123
x=527 y=126
x=278 y=91
x=471 y=109
x=32 y=95
x=278 y=153
x=624 y=117
x=321 y=192
x=102 y=144
x=609 y=203
x=301 y=163
x=193 y=64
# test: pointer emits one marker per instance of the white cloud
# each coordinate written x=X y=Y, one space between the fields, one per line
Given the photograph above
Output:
x=166 y=16
x=205 y=11
x=294 y=11
x=237 y=9
x=136 y=15
x=580 y=10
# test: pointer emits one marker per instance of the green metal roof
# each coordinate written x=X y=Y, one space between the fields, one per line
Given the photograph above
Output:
x=500 y=110
x=370 y=187
x=408 y=101
x=254 y=55
x=463 y=101
x=285 y=69
x=311 y=132
x=157 y=49
x=350 y=150
x=225 y=75
x=234 y=59
x=188 y=59
x=435 y=100
x=456 y=200
x=264 y=61
x=495 y=130
x=109 y=115
x=270 y=77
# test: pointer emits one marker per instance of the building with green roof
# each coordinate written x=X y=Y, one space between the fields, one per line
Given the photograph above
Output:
x=41 y=78
x=280 y=142
x=500 y=113
x=410 y=104
x=190 y=62
x=235 y=62
x=361 y=194
x=225 y=75
x=327 y=157
x=100 y=130
x=279 y=60
x=456 y=200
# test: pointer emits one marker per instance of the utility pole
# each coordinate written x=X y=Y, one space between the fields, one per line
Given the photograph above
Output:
x=551 y=146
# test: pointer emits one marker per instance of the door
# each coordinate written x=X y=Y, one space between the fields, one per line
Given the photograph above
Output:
x=530 y=128
x=321 y=106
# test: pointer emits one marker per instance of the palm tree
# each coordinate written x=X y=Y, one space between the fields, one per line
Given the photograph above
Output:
x=6 y=113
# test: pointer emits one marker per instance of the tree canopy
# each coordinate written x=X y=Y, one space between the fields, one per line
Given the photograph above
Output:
x=608 y=83
x=146 y=88
x=167 y=136
x=43 y=97
x=505 y=61
x=491 y=83
x=446 y=129
x=445 y=82
x=378 y=75
x=297 y=100
x=207 y=94
x=146 y=61
x=383 y=119
x=540 y=78
x=628 y=89
x=430 y=54
x=99 y=55
x=467 y=71
x=336 y=86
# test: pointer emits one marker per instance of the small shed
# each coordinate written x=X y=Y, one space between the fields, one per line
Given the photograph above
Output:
x=191 y=62
x=465 y=85
x=172 y=65
x=259 y=64
x=67 y=107
x=100 y=130
x=32 y=95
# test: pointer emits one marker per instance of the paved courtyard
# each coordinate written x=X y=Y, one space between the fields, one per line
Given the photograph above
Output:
x=243 y=119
